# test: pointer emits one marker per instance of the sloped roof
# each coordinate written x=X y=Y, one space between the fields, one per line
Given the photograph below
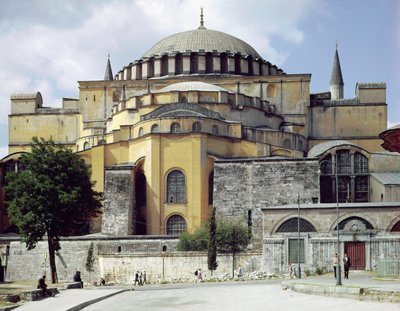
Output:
x=388 y=178
x=323 y=147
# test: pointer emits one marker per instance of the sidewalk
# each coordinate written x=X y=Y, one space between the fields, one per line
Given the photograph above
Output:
x=360 y=285
x=70 y=299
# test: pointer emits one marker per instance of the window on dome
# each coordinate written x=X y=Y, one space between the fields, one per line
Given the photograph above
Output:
x=237 y=64
x=194 y=60
x=150 y=68
x=224 y=63
x=175 y=128
x=164 y=65
x=209 y=63
x=178 y=64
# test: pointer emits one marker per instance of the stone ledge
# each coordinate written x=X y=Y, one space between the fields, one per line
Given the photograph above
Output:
x=36 y=294
x=73 y=285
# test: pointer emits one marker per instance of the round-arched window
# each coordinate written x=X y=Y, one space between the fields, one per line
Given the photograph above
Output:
x=175 y=127
x=176 y=225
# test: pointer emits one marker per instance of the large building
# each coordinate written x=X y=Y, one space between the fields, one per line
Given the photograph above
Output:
x=202 y=119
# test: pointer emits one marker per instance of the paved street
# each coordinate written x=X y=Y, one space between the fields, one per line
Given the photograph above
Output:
x=230 y=296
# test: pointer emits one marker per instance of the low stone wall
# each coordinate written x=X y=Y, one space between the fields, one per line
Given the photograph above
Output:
x=117 y=260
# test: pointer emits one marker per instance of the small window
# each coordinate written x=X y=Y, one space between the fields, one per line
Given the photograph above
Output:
x=183 y=99
x=287 y=143
x=155 y=128
x=86 y=146
x=211 y=188
x=215 y=130
x=196 y=127
x=175 y=127
x=176 y=225
x=141 y=132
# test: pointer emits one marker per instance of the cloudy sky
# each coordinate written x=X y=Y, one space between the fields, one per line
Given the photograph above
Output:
x=49 y=45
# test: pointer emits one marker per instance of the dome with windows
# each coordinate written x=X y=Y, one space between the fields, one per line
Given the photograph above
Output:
x=202 y=40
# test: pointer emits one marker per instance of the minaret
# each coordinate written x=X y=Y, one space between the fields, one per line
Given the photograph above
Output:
x=108 y=75
x=336 y=78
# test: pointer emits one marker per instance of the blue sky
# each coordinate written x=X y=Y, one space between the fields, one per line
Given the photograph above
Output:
x=48 y=45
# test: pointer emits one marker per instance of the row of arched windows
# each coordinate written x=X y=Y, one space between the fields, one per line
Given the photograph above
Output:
x=176 y=128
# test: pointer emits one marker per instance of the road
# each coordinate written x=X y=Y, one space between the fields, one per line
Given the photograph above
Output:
x=230 y=297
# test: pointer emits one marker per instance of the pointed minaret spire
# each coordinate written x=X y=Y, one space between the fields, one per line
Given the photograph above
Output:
x=108 y=74
x=336 y=78
x=201 y=19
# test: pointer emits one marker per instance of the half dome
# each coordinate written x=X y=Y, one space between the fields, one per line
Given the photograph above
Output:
x=192 y=86
x=201 y=40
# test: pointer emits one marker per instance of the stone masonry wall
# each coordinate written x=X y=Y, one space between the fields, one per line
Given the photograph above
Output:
x=243 y=186
x=118 y=216
x=117 y=259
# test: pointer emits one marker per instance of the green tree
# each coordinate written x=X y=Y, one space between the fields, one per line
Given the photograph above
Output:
x=212 y=244
x=232 y=236
x=52 y=196
x=90 y=261
x=197 y=241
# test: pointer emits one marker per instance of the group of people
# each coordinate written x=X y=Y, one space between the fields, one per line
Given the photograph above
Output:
x=346 y=264
x=140 y=278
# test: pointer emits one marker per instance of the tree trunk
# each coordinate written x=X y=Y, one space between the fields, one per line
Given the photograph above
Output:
x=52 y=259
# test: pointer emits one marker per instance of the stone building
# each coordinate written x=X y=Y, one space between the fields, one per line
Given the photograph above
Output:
x=203 y=120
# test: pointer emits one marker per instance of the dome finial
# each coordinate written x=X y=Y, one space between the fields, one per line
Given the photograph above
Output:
x=201 y=19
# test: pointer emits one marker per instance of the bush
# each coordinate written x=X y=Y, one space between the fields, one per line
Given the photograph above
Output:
x=232 y=236
x=198 y=241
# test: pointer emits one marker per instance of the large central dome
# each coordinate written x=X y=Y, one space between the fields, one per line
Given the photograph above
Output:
x=201 y=40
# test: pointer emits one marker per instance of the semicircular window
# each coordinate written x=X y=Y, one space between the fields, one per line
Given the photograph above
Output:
x=396 y=227
x=291 y=225
x=175 y=128
x=355 y=224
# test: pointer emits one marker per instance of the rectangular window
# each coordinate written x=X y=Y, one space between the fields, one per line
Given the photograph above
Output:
x=293 y=251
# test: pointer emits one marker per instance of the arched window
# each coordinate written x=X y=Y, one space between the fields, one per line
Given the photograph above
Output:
x=86 y=146
x=176 y=188
x=396 y=227
x=155 y=128
x=194 y=68
x=211 y=188
x=355 y=224
x=224 y=63
x=141 y=132
x=291 y=225
x=176 y=225
x=271 y=91
x=101 y=142
x=215 y=130
x=196 y=127
x=238 y=69
x=352 y=175
x=175 y=128
x=150 y=68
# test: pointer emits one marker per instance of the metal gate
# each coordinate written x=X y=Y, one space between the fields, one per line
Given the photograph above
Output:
x=356 y=253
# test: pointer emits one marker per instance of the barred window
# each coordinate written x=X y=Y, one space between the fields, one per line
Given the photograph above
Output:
x=344 y=162
x=176 y=225
x=360 y=163
x=176 y=191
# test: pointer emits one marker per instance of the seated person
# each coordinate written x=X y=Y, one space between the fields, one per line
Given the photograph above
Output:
x=77 y=278
x=43 y=286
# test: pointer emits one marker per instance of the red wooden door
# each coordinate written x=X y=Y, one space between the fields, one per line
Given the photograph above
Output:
x=356 y=253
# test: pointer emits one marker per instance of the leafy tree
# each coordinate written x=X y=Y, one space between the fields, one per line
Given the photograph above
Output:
x=51 y=196
x=232 y=236
x=197 y=241
x=212 y=244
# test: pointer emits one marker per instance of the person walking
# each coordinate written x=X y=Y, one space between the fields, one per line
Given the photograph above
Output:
x=136 y=278
x=335 y=261
x=346 y=265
